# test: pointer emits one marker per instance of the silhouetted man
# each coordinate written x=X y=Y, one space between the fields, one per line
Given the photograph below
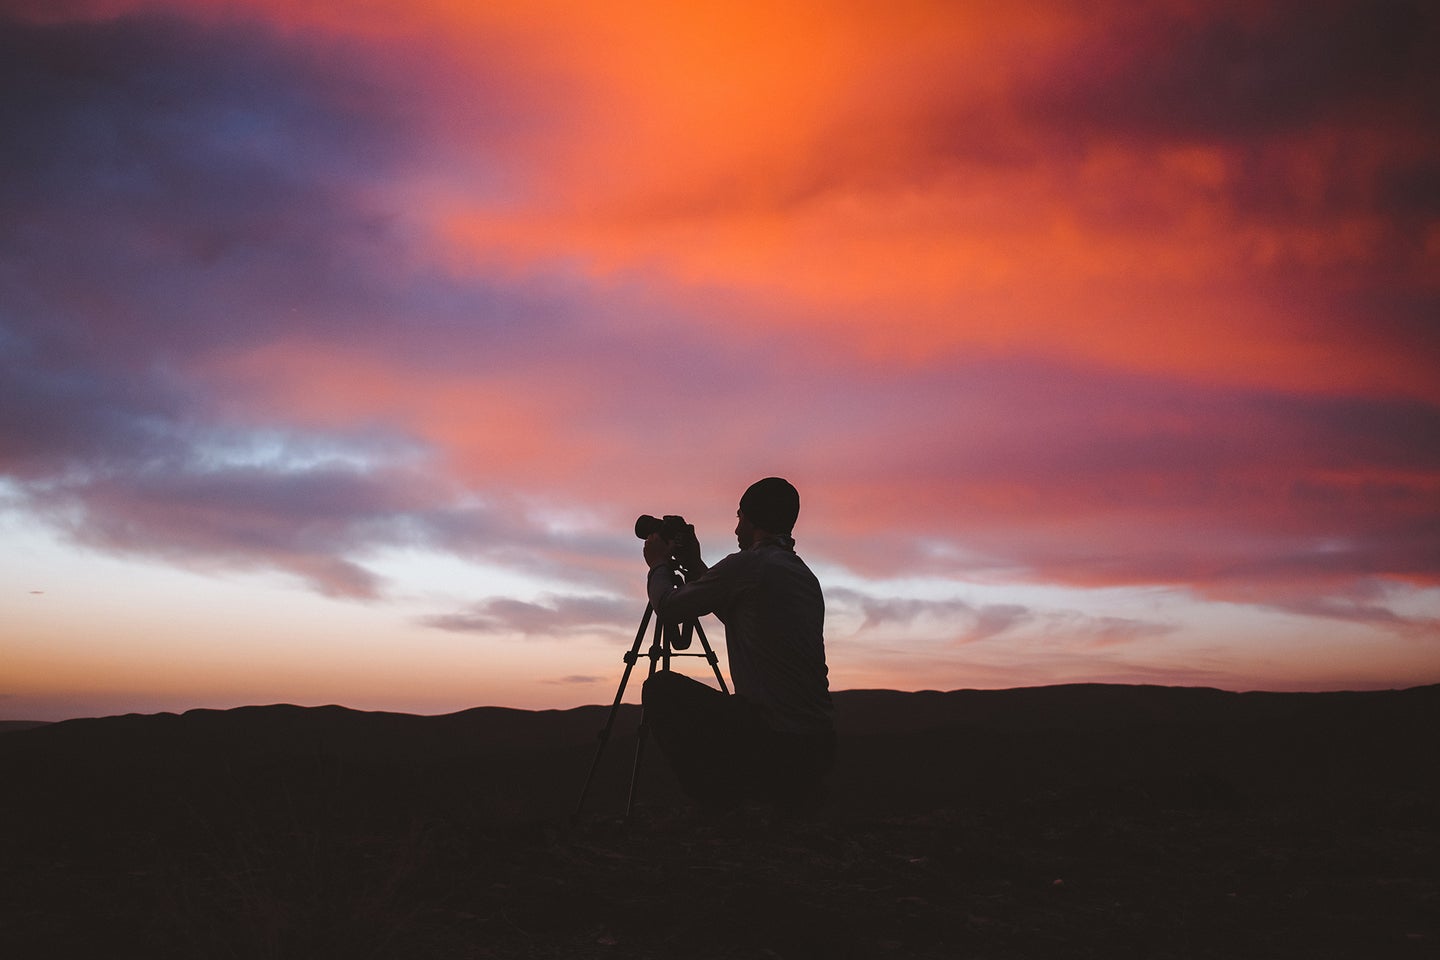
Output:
x=774 y=740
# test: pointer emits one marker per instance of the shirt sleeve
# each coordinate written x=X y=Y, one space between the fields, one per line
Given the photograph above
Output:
x=711 y=592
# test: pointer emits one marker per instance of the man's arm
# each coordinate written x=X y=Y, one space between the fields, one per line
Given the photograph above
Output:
x=708 y=593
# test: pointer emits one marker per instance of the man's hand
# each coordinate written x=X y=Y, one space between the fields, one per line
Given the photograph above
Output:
x=657 y=550
x=688 y=553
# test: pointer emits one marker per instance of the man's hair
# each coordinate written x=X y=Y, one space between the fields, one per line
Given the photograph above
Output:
x=771 y=504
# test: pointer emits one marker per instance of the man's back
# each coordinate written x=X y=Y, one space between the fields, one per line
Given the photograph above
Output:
x=774 y=616
x=775 y=637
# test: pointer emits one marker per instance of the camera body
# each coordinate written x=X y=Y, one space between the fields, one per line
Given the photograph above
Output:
x=671 y=528
x=674 y=530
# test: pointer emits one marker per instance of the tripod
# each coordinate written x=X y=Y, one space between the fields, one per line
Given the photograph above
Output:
x=664 y=645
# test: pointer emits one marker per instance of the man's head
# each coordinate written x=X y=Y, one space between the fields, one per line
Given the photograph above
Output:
x=770 y=506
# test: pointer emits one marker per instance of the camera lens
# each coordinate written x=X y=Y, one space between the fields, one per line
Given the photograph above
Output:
x=646 y=525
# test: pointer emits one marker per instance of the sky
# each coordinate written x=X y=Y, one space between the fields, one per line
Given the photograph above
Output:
x=342 y=343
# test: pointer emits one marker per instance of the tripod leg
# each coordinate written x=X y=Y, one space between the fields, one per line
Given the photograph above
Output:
x=630 y=659
x=710 y=656
x=659 y=651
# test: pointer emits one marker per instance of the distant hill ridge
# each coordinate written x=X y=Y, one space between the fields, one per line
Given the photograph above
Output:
x=9 y=726
x=858 y=712
x=1092 y=743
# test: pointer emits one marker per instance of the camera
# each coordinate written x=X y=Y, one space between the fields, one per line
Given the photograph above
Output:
x=671 y=528
x=675 y=531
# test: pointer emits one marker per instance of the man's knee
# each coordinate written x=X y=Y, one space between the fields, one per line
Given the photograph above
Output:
x=663 y=690
x=669 y=685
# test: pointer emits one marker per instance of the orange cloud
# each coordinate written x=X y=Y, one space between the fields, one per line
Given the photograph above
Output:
x=911 y=197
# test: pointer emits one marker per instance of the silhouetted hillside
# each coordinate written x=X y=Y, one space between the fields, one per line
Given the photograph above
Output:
x=1058 y=821
x=1136 y=744
x=900 y=751
x=11 y=726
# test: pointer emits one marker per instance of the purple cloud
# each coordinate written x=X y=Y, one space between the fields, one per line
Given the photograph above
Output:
x=1223 y=73
x=556 y=615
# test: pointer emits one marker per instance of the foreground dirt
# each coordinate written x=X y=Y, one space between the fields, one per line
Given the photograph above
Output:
x=1027 y=882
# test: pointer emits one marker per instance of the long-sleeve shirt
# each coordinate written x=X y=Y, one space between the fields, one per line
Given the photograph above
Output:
x=774 y=616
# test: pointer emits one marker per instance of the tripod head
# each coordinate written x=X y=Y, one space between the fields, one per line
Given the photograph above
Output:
x=676 y=635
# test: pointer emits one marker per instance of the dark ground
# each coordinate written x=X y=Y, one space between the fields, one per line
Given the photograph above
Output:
x=1079 y=821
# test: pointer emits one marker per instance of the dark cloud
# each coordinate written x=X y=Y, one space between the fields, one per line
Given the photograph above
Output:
x=964 y=622
x=169 y=185
x=996 y=618
x=167 y=191
x=1113 y=631
x=58 y=410
x=554 y=616
x=173 y=190
x=1319 y=109
x=960 y=622
x=1090 y=477
x=304 y=521
x=1322 y=112
x=174 y=193
x=1371 y=601
x=880 y=611
x=1109 y=419
x=313 y=509
x=1231 y=72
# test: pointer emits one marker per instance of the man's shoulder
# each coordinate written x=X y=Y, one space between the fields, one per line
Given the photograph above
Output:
x=725 y=569
x=735 y=561
x=760 y=557
x=781 y=559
